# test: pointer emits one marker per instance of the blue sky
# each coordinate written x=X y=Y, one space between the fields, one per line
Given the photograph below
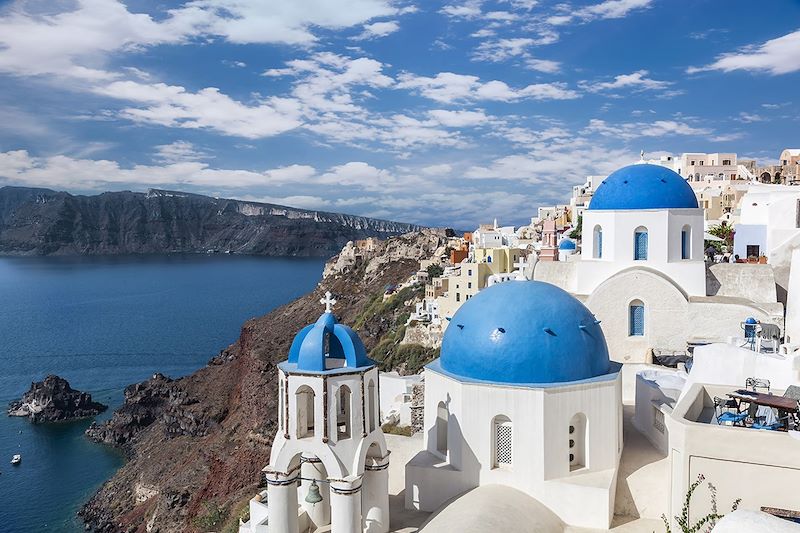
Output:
x=444 y=113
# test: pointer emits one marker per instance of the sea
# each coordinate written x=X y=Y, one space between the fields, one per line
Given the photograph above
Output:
x=103 y=323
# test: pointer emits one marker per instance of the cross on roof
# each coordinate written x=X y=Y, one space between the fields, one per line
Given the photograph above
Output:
x=328 y=302
x=521 y=264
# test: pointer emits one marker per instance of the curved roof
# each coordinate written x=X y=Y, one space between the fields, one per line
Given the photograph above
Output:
x=494 y=508
x=525 y=332
x=643 y=186
x=317 y=343
x=567 y=244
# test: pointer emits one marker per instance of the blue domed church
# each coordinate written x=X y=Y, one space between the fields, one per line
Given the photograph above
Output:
x=328 y=468
x=523 y=395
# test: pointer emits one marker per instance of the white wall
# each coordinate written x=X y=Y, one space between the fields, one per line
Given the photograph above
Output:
x=793 y=301
x=664 y=246
x=540 y=418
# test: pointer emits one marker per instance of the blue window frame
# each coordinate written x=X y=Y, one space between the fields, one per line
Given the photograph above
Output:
x=598 y=242
x=685 y=244
x=636 y=320
x=640 y=245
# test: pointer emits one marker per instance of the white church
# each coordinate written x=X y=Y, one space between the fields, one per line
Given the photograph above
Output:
x=329 y=461
x=641 y=269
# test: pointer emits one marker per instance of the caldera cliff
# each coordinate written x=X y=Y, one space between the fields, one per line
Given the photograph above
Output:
x=45 y=222
x=196 y=445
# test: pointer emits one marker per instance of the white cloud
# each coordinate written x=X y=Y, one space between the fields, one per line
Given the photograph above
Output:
x=379 y=29
x=776 y=56
x=636 y=80
x=469 y=9
x=174 y=106
x=547 y=66
x=748 y=118
x=437 y=170
x=179 y=151
x=609 y=9
x=502 y=49
x=450 y=87
x=633 y=130
x=75 y=41
x=458 y=119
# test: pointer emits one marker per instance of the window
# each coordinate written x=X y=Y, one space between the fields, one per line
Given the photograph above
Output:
x=726 y=162
x=458 y=296
x=469 y=284
x=469 y=272
x=640 y=244
x=686 y=242
x=343 y=421
x=598 y=242
x=373 y=411
x=753 y=250
x=441 y=428
x=502 y=433
x=489 y=259
x=577 y=442
x=701 y=163
x=304 y=398
x=636 y=319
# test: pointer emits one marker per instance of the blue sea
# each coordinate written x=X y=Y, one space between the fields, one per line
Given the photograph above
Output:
x=104 y=323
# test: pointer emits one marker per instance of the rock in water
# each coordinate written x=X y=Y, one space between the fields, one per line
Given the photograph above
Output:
x=53 y=400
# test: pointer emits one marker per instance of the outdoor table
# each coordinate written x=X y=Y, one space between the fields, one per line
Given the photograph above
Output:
x=781 y=403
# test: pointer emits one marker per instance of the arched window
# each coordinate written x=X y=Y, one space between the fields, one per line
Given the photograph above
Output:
x=441 y=428
x=578 y=429
x=598 y=242
x=304 y=398
x=503 y=442
x=373 y=412
x=343 y=418
x=640 y=244
x=280 y=405
x=636 y=319
x=686 y=242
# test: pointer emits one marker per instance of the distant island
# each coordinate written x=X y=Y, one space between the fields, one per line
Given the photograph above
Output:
x=36 y=221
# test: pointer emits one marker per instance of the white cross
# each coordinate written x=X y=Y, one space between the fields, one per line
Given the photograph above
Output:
x=521 y=265
x=328 y=302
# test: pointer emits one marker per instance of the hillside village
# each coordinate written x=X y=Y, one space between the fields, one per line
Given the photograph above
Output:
x=621 y=350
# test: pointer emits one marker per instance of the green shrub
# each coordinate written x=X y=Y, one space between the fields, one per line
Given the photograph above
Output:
x=213 y=518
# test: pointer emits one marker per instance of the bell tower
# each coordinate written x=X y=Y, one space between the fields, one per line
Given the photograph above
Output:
x=329 y=460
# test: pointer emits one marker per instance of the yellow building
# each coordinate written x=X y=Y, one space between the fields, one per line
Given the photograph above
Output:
x=473 y=276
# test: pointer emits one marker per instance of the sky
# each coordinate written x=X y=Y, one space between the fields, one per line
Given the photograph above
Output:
x=446 y=113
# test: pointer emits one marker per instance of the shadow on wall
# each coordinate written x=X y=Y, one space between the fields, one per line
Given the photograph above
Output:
x=712 y=282
x=465 y=473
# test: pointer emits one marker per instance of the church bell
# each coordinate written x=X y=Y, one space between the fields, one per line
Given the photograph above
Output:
x=313 y=496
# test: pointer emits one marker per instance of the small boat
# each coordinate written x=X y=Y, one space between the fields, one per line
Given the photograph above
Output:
x=17 y=459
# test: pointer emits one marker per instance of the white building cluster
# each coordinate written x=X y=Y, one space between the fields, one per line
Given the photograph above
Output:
x=581 y=384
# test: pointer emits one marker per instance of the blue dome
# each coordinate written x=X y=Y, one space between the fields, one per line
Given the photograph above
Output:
x=524 y=332
x=643 y=186
x=308 y=350
x=567 y=244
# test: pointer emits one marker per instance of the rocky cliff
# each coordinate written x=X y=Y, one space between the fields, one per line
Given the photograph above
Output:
x=46 y=222
x=53 y=400
x=197 y=444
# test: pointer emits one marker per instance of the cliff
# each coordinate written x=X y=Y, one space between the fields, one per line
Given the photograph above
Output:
x=45 y=222
x=53 y=400
x=197 y=444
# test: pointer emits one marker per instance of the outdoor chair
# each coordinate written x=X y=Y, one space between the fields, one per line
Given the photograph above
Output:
x=727 y=412
x=754 y=384
x=768 y=333
x=793 y=392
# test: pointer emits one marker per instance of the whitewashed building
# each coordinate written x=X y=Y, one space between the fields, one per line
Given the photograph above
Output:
x=328 y=464
x=642 y=269
x=524 y=396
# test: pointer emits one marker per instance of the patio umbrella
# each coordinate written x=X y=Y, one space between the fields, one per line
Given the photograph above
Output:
x=707 y=236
